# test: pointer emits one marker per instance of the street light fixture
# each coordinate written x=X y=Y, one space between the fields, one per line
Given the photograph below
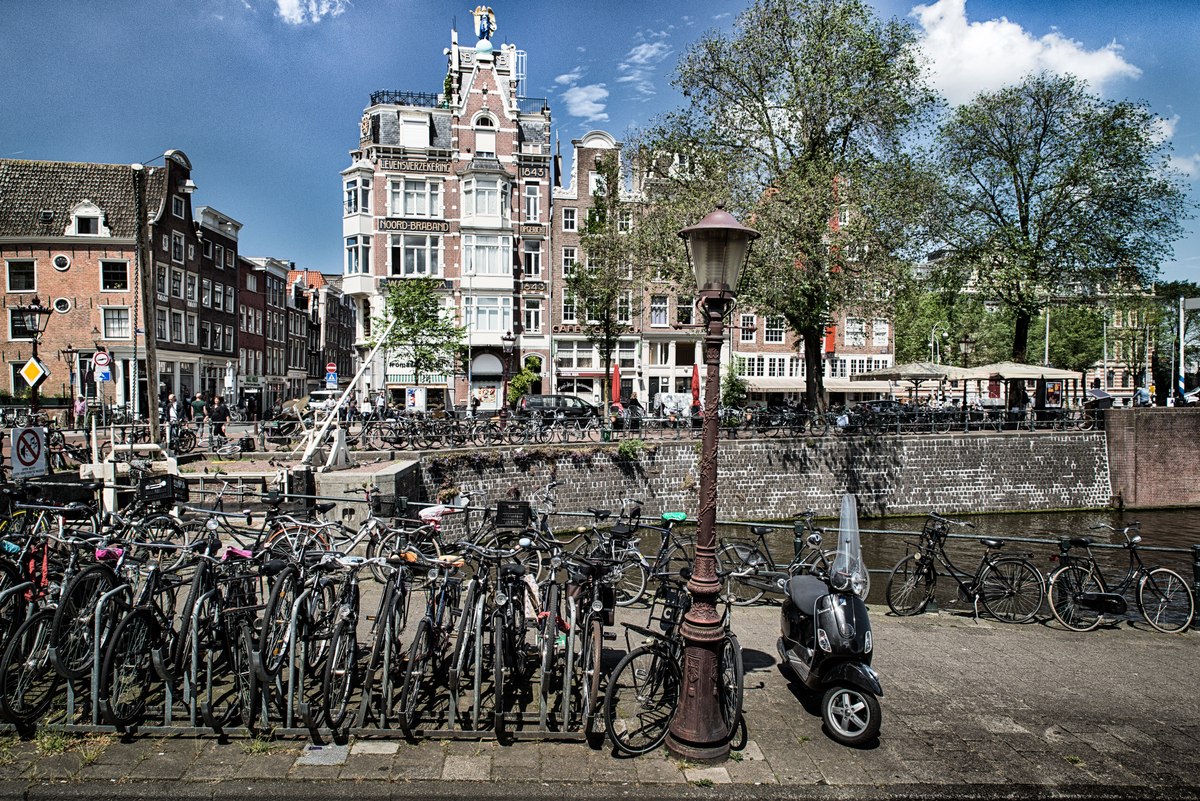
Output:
x=935 y=347
x=718 y=247
x=34 y=317
x=966 y=346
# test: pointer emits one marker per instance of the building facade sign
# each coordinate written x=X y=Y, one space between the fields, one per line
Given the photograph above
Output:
x=424 y=226
x=533 y=230
x=415 y=165
x=528 y=171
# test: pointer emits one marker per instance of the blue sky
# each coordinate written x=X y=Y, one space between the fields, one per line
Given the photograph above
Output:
x=265 y=95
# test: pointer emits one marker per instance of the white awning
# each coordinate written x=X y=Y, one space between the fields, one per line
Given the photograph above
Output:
x=796 y=384
x=862 y=387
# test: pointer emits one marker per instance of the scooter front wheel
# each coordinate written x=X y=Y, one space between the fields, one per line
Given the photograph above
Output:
x=852 y=715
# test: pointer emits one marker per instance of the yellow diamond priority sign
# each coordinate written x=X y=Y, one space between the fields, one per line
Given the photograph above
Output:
x=34 y=373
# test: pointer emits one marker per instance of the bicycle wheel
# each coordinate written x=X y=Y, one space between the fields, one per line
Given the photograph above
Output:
x=338 y=680
x=12 y=611
x=730 y=674
x=910 y=586
x=1011 y=590
x=128 y=672
x=500 y=668
x=548 y=645
x=1165 y=600
x=73 y=632
x=417 y=676
x=1066 y=586
x=277 y=621
x=642 y=696
x=213 y=688
x=736 y=557
x=28 y=682
x=674 y=559
x=631 y=582
x=185 y=441
x=590 y=675
x=478 y=710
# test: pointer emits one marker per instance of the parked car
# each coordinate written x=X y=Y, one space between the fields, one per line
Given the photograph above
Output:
x=571 y=407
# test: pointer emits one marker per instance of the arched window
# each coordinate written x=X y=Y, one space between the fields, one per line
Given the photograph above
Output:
x=485 y=137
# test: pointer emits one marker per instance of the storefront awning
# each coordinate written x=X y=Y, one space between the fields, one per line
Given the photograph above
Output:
x=795 y=384
x=862 y=387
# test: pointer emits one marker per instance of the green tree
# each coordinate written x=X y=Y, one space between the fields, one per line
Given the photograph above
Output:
x=1050 y=190
x=733 y=387
x=1076 y=337
x=797 y=121
x=424 y=334
x=606 y=286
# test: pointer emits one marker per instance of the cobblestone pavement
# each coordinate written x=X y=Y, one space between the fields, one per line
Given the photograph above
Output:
x=972 y=709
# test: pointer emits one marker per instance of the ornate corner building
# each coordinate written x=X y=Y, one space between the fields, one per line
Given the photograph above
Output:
x=455 y=186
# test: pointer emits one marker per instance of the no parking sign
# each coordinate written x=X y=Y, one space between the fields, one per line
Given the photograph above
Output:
x=28 y=452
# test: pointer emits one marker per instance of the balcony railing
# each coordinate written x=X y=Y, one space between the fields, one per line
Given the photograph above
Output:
x=532 y=105
x=425 y=99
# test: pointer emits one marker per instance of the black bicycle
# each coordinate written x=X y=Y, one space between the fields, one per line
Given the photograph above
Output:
x=1008 y=585
x=1081 y=595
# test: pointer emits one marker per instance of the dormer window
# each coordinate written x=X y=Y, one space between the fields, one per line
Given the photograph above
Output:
x=485 y=137
x=87 y=219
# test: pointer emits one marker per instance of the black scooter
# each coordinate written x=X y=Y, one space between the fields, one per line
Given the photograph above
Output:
x=826 y=637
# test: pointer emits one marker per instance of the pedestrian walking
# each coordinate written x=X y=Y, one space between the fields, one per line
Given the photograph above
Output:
x=219 y=415
x=80 y=411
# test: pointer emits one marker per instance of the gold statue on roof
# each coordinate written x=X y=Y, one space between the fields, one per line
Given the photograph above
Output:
x=485 y=21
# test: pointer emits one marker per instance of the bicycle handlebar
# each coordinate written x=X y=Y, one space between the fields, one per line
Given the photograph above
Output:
x=960 y=523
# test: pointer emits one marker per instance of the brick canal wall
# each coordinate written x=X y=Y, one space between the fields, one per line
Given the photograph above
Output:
x=1154 y=456
x=768 y=479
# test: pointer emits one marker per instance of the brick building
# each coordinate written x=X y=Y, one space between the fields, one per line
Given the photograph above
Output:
x=272 y=275
x=455 y=186
x=68 y=235
x=251 y=342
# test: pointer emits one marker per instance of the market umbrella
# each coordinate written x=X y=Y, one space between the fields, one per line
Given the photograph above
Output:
x=695 y=385
x=615 y=395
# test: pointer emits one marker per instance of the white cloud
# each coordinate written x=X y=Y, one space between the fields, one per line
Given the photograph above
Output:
x=639 y=64
x=971 y=57
x=298 y=12
x=571 y=77
x=1166 y=127
x=720 y=17
x=1188 y=165
x=587 y=102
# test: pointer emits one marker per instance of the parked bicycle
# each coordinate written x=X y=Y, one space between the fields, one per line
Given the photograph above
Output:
x=1082 y=595
x=1009 y=586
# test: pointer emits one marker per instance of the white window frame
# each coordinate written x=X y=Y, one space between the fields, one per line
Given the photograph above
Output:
x=570 y=219
x=176 y=283
x=569 y=313
x=177 y=207
x=177 y=326
x=122 y=262
x=855 y=335
x=531 y=258
x=16 y=314
x=358 y=255
x=191 y=290
x=177 y=247
x=659 y=309
x=206 y=293
x=162 y=325
x=880 y=331
x=428 y=246
x=229 y=303
x=497 y=250
x=105 y=321
x=570 y=257
x=532 y=316
x=191 y=328
x=533 y=203
x=415 y=197
x=8 y=274
x=775 y=330
x=749 y=328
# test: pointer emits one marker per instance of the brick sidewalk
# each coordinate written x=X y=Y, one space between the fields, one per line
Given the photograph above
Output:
x=979 y=709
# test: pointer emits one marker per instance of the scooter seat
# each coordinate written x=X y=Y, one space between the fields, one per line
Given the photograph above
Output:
x=805 y=591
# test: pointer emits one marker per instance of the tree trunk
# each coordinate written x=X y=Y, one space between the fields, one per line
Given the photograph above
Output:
x=814 y=364
x=1020 y=346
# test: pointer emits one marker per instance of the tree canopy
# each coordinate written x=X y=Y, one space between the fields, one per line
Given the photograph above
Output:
x=793 y=119
x=1050 y=190
x=424 y=334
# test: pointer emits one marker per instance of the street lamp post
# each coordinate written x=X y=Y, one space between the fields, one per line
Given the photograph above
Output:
x=35 y=316
x=935 y=347
x=68 y=354
x=718 y=247
x=508 y=340
x=965 y=346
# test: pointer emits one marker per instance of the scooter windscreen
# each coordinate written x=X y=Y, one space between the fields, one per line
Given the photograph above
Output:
x=848 y=573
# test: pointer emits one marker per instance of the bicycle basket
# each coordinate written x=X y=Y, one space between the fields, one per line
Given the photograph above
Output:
x=668 y=606
x=383 y=505
x=513 y=514
x=163 y=488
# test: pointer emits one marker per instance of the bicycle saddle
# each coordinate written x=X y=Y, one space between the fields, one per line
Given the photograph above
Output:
x=674 y=517
x=1081 y=542
x=988 y=542
x=760 y=530
x=327 y=506
x=512 y=569
x=600 y=514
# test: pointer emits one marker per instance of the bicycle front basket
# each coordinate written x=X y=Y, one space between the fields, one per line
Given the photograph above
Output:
x=513 y=514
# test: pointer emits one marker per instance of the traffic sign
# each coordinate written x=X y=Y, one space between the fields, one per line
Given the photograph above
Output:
x=28 y=452
x=34 y=373
x=331 y=367
x=104 y=375
x=101 y=359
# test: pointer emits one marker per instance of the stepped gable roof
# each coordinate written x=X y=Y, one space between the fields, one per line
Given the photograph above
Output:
x=27 y=188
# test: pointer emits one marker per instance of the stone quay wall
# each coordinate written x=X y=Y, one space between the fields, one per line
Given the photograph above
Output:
x=761 y=479
x=1154 y=455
